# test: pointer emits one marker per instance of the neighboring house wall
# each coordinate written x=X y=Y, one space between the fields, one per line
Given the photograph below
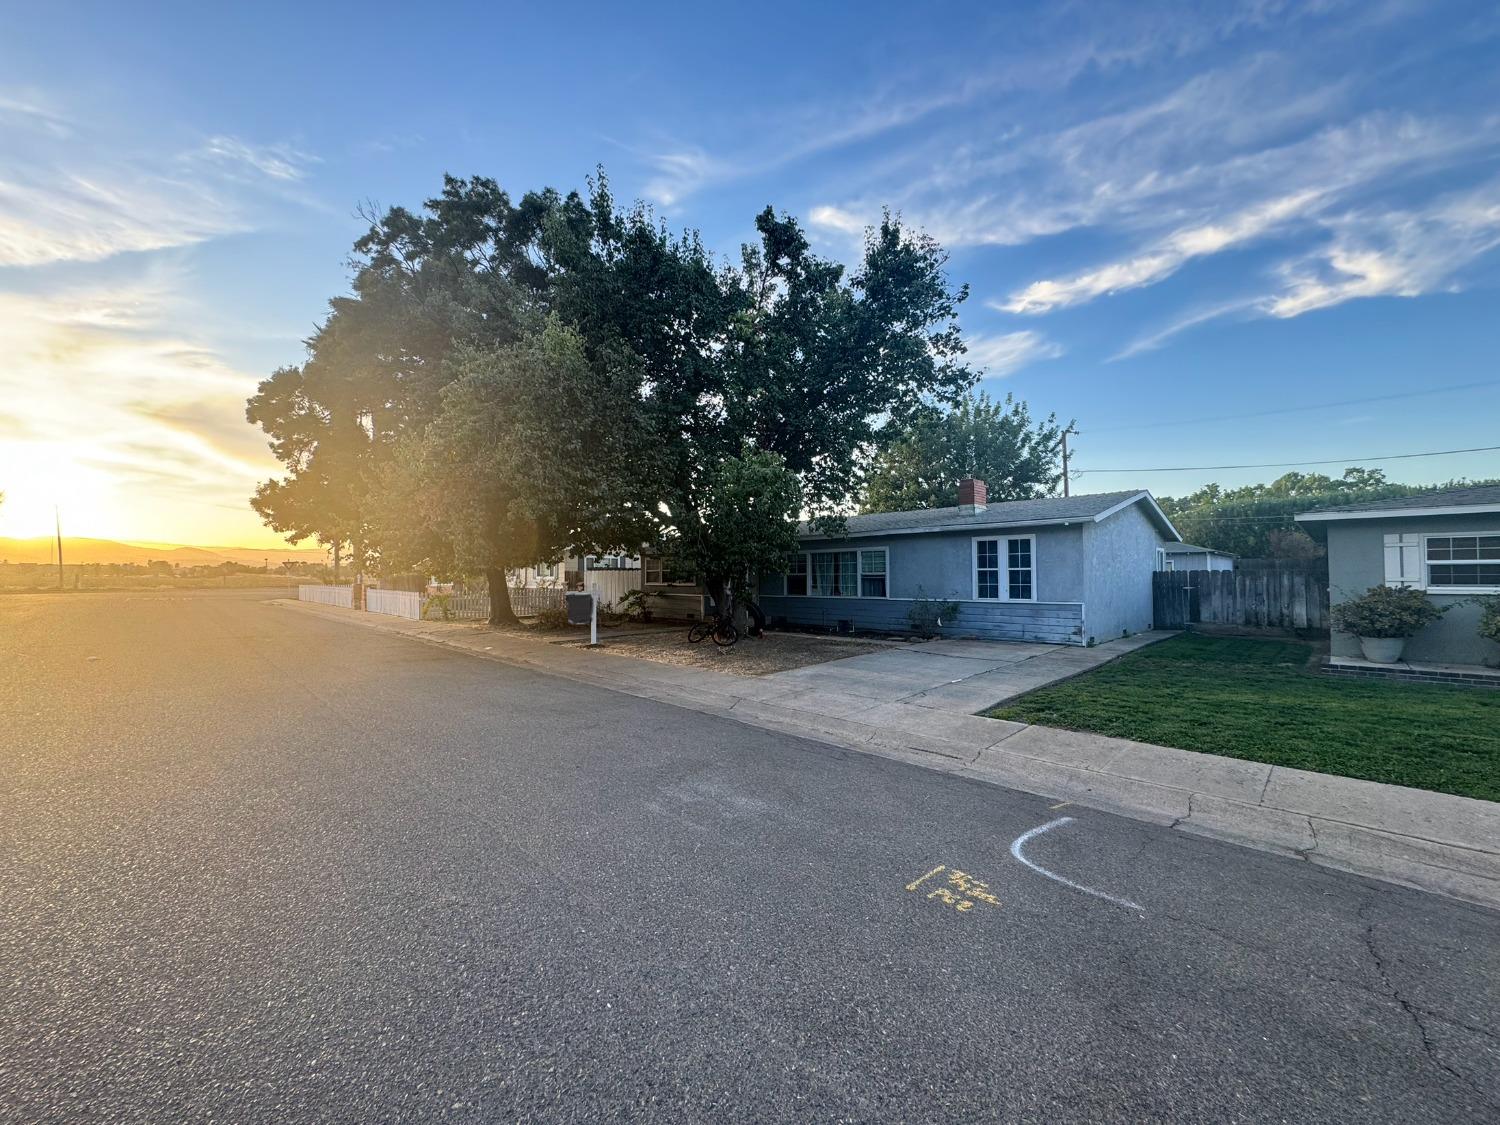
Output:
x=1119 y=556
x=1198 y=560
x=940 y=566
x=1356 y=561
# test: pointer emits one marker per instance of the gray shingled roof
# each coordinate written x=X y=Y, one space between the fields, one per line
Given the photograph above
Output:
x=1190 y=549
x=1485 y=495
x=1011 y=513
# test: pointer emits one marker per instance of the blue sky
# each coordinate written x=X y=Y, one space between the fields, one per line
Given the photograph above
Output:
x=1213 y=233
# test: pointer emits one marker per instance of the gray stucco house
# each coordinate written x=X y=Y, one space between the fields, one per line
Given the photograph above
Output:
x=1066 y=570
x=1446 y=543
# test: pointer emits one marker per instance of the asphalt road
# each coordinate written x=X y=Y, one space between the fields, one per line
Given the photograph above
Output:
x=257 y=866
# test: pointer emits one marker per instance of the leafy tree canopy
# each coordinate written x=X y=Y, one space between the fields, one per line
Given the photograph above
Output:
x=1258 y=520
x=994 y=441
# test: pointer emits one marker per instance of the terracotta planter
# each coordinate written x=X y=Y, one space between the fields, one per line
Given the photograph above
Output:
x=1382 y=650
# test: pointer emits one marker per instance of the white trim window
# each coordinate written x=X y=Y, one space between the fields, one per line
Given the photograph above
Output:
x=1005 y=569
x=796 y=577
x=1465 y=564
x=872 y=564
x=655 y=572
x=859 y=573
x=835 y=574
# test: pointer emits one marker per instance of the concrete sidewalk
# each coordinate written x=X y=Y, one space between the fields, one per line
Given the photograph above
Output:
x=889 y=704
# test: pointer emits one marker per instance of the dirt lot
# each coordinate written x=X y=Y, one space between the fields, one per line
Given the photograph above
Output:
x=775 y=652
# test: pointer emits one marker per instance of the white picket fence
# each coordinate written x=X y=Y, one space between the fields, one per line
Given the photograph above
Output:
x=342 y=596
x=612 y=585
x=395 y=603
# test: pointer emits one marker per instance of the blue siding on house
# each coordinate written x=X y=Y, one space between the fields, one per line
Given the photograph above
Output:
x=1049 y=622
x=940 y=566
x=1356 y=562
x=1121 y=556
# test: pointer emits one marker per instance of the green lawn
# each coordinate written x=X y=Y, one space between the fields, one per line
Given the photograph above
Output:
x=1257 y=699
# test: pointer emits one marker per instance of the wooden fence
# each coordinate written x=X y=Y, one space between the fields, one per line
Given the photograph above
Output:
x=1287 y=598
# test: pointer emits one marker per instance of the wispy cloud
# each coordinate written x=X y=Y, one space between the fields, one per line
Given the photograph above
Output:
x=1400 y=253
x=112 y=397
x=62 y=217
x=278 y=161
x=1363 y=254
x=71 y=191
x=1163 y=259
x=1001 y=355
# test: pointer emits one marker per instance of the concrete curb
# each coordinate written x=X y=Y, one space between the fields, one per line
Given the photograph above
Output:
x=1430 y=841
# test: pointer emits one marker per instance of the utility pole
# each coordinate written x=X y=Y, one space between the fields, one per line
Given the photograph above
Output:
x=57 y=521
x=1065 y=433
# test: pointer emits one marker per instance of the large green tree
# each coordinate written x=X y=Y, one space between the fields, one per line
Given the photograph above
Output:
x=464 y=272
x=741 y=385
x=995 y=441
x=786 y=354
x=533 y=451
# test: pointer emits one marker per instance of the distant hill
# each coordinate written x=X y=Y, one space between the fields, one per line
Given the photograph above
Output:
x=77 y=550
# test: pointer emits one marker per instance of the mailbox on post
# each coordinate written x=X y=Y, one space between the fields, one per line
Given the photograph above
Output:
x=583 y=609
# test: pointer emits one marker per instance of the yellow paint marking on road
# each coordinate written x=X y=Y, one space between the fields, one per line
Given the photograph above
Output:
x=929 y=875
x=960 y=890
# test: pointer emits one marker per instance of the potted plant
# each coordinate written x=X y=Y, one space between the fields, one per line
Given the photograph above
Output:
x=1383 y=617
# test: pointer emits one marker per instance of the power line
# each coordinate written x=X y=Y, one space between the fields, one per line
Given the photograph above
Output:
x=1297 y=409
x=1294 y=464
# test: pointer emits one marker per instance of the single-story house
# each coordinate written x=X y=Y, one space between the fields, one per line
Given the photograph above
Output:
x=1065 y=569
x=673 y=595
x=1185 y=556
x=1446 y=543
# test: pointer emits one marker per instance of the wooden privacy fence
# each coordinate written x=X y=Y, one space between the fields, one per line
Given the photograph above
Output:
x=1262 y=598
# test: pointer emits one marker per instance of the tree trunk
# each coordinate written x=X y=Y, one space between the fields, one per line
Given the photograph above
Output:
x=500 y=610
x=336 y=564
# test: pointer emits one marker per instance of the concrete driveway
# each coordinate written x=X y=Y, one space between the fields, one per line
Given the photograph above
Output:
x=961 y=675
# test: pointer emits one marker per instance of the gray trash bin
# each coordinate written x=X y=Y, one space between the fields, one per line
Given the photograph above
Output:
x=580 y=608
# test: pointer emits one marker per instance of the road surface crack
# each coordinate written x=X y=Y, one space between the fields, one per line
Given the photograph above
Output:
x=1185 y=816
x=1413 y=1012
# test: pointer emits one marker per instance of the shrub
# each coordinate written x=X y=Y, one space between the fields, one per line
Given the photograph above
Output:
x=438 y=607
x=1489 y=619
x=633 y=606
x=927 y=614
x=1387 y=611
x=553 y=617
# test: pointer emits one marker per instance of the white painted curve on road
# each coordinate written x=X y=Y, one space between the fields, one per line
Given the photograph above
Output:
x=1026 y=837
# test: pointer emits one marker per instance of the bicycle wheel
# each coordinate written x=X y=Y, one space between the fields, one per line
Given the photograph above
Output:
x=726 y=634
x=700 y=631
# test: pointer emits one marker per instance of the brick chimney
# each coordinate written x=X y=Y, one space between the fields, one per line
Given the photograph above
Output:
x=972 y=496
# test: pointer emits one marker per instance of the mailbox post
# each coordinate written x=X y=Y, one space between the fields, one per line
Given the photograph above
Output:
x=583 y=609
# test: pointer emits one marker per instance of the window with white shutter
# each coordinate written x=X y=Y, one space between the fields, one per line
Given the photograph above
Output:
x=1403 y=559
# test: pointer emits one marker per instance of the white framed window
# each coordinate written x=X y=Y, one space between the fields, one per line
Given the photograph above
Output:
x=1005 y=568
x=872 y=582
x=796 y=577
x=861 y=573
x=1462 y=563
x=835 y=574
x=655 y=572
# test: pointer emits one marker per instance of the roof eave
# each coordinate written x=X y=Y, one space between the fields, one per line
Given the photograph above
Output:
x=961 y=525
x=1160 y=516
x=1400 y=513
